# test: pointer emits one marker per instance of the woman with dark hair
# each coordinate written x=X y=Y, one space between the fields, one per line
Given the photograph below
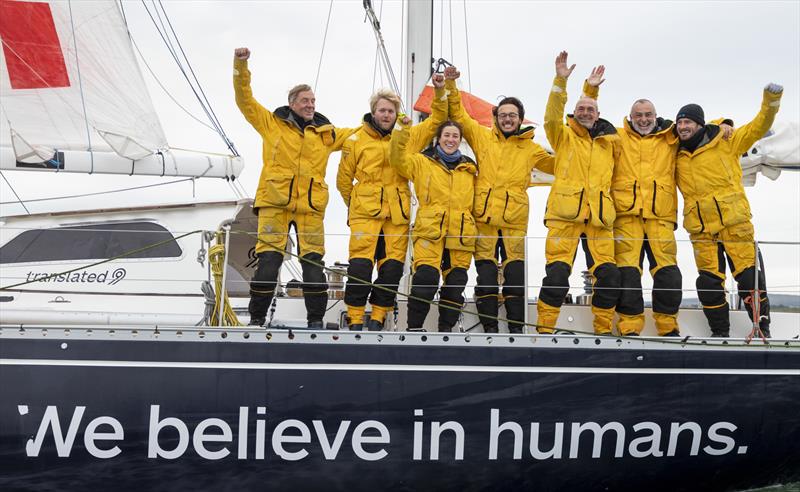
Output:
x=444 y=229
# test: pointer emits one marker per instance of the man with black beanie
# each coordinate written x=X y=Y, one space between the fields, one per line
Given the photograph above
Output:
x=716 y=211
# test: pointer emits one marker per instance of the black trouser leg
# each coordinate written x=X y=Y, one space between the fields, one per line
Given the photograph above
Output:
x=315 y=287
x=514 y=295
x=451 y=298
x=389 y=275
x=486 y=293
x=262 y=286
x=424 y=285
x=715 y=307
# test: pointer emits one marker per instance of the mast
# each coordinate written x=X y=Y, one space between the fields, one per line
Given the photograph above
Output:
x=419 y=50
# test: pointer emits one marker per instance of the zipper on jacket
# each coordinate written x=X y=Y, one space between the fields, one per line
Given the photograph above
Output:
x=634 y=197
x=719 y=212
x=441 y=223
x=461 y=232
x=310 y=186
x=699 y=216
x=400 y=199
x=486 y=203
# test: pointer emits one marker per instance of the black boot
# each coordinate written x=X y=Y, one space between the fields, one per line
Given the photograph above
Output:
x=256 y=321
x=356 y=327
x=375 y=325
x=315 y=325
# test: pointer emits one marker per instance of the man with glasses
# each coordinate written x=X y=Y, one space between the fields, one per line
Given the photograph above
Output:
x=506 y=157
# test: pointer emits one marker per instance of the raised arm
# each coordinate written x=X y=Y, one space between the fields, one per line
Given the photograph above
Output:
x=256 y=114
x=745 y=136
x=542 y=160
x=422 y=134
x=554 y=113
x=399 y=157
x=347 y=170
x=591 y=86
x=458 y=114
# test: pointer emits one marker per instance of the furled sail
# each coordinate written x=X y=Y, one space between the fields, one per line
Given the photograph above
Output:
x=779 y=150
x=74 y=99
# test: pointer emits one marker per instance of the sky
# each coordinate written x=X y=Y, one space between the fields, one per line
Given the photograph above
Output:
x=717 y=54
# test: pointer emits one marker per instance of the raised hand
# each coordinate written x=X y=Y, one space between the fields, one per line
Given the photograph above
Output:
x=596 y=77
x=451 y=73
x=405 y=120
x=561 y=66
x=438 y=80
x=774 y=88
x=727 y=131
x=241 y=53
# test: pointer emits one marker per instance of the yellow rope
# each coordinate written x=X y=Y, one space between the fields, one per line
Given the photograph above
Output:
x=216 y=258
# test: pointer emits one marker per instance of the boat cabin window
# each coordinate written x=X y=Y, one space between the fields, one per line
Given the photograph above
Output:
x=91 y=242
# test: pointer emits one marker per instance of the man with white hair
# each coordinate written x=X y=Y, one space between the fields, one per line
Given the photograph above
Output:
x=580 y=206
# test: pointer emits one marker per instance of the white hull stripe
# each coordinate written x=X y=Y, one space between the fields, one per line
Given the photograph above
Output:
x=393 y=367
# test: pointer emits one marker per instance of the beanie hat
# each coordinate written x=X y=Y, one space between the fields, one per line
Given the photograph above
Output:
x=693 y=112
x=511 y=100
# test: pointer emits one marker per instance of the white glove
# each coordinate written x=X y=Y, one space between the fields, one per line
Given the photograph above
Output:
x=774 y=88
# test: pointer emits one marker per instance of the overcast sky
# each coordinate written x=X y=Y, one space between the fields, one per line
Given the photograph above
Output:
x=717 y=54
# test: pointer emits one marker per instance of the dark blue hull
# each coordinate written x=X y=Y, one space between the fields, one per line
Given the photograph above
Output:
x=510 y=415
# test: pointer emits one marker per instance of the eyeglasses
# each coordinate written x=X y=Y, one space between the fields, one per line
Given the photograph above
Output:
x=510 y=116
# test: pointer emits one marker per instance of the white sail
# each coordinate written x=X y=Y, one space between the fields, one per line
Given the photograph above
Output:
x=778 y=150
x=73 y=97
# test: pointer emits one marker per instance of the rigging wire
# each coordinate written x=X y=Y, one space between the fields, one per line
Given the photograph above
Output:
x=466 y=40
x=82 y=195
x=228 y=142
x=80 y=87
x=19 y=200
x=450 y=8
x=376 y=28
x=324 y=40
x=204 y=105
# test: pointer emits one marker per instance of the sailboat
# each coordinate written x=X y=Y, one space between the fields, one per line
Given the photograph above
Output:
x=111 y=377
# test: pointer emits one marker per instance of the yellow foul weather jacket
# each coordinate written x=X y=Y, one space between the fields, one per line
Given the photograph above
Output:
x=379 y=191
x=501 y=196
x=710 y=178
x=445 y=196
x=293 y=174
x=584 y=165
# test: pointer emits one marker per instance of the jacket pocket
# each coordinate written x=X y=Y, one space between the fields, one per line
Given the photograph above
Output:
x=624 y=196
x=428 y=224
x=400 y=206
x=606 y=210
x=469 y=231
x=367 y=201
x=565 y=202
x=278 y=189
x=664 y=201
x=692 y=218
x=516 y=209
x=317 y=196
x=733 y=209
x=481 y=203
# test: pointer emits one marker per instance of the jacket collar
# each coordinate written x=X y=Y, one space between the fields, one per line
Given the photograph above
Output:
x=466 y=163
x=662 y=126
x=374 y=130
x=601 y=128
x=523 y=133
x=318 y=122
